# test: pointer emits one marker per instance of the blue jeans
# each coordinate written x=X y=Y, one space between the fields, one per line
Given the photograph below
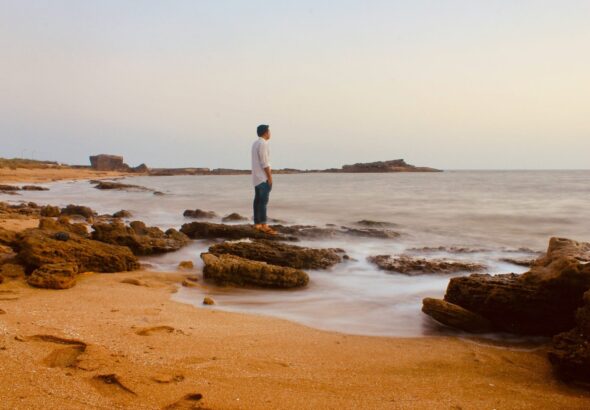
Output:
x=261 y=194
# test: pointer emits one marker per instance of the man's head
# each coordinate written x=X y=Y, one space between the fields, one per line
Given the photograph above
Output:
x=263 y=131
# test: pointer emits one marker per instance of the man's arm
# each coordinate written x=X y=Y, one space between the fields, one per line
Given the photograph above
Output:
x=264 y=161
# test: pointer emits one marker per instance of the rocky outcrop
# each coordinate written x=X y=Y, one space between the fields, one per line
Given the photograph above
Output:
x=233 y=270
x=54 y=276
x=122 y=214
x=39 y=247
x=455 y=316
x=541 y=301
x=7 y=237
x=570 y=355
x=367 y=223
x=108 y=185
x=207 y=230
x=331 y=231
x=78 y=210
x=199 y=214
x=142 y=240
x=419 y=266
x=234 y=217
x=396 y=165
x=50 y=211
x=280 y=254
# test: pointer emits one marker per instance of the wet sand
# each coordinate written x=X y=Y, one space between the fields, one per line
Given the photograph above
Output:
x=119 y=341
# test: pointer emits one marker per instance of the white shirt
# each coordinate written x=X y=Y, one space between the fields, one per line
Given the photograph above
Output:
x=260 y=160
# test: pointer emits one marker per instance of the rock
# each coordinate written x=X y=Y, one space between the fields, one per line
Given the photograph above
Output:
x=186 y=265
x=208 y=301
x=50 y=211
x=104 y=162
x=106 y=185
x=7 y=237
x=12 y=270
x=122 y=214
x=34 y=188
x=63 y=227
x=234 y=217
x=375 y=224
x=396 y=165
x=54 y=276
x=189 y=284
x=447 y=249
x=199 y=214
x=418 y=266
x=61 y=236
x=371 y=233
x=233 y=270
x=192 y=278
x=140 y=239
x=527 y=263
x=80 y=210
x=570 y=355
x=9 y=188
x=207 y=230
x=455 y=316
x=134 y=281
x=37 y=247
x=541 y=301
x=280 y=254
x=141 y=168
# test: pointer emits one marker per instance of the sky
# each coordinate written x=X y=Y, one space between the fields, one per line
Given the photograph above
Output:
x=450 y=84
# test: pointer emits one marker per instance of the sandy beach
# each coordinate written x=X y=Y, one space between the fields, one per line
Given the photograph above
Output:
x=119 y=341
x=40 y=175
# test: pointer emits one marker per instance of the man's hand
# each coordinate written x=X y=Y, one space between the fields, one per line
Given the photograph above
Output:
x=268 y=173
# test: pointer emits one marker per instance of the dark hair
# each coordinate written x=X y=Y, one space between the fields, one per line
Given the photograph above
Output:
x=261 y=130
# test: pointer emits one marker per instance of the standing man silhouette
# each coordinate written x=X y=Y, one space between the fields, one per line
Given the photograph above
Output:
x=261 y=178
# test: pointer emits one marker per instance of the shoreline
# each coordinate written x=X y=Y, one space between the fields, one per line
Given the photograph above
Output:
x=162 y=350
x=45 y=175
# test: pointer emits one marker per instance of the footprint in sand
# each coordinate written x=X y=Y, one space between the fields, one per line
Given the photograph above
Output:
x=190 y=401
x=64 y=356
x=110 y=385
x=147 y=331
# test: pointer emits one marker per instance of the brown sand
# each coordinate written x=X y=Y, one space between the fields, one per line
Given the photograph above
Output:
x=39 y=175
x=108 y=344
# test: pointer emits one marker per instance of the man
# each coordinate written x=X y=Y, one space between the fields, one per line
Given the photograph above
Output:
x=261 y=178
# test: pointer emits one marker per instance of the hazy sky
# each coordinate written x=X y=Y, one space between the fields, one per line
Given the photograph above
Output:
x=450 y=84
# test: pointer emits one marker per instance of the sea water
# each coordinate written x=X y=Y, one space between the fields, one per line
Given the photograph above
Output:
x=495 y=214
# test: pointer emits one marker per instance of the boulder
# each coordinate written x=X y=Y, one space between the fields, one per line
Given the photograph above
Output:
x=455 y=316
x=78 y=210
x=233 y=270
x=186 y=265
x=207 y=230
x=12 y=270
x=9 y=188
x=542 y=301
x=50 y=211
x=38 y=247
x=7 y=237
x=122 y=214
x=570 y=355
x=142 y=240
x=280 y=254
x=199 y=214
x=54 y=276
x=234 y=217
x=208 y=301
x=419 y=266
x=62 y=224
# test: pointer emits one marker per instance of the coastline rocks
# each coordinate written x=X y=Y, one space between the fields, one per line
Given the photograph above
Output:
x=33 y=188
x=50 y=211
x=455 y=316
x=63 y=225
x=54 y=276
x=280 y=254
x=12 y=270
x=233 y=270
x=570 y=355
x=142 y=240
x=541 y=301
x=396 y=165
x=106 y=162
x=208 y=301
x=331 y=231
x=14 y=188
x=38 y=247
x=78 y=210
x=106 y=185
x=207 y=230
x=7 y=237
x=371 y=233
x=186 y=265
x=418 y=266
x=199 y=214
x=122 y=214
x=234 y=217
x=375 y=224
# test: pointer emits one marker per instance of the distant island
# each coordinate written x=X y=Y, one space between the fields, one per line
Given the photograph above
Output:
x=104 y=162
